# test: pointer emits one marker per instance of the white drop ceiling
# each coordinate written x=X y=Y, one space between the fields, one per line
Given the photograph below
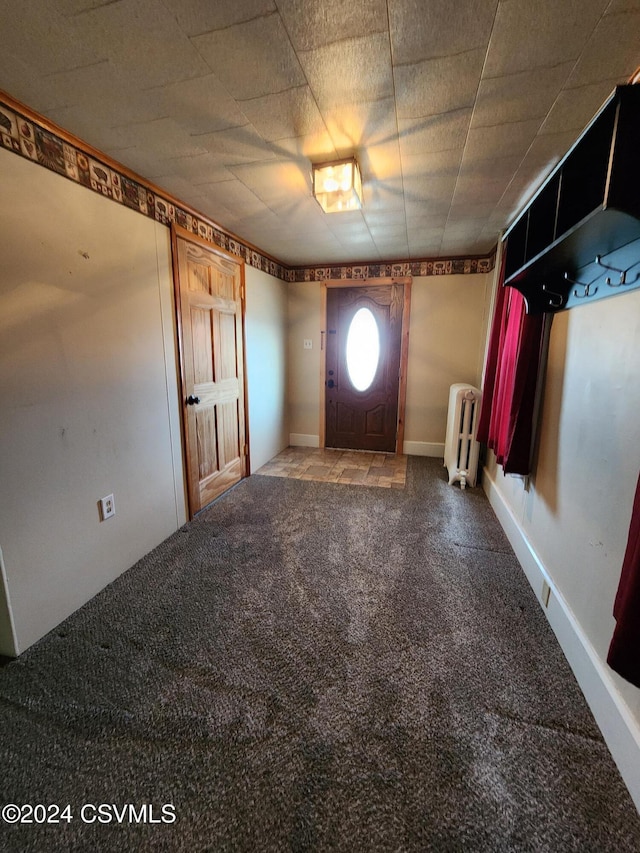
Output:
x=455 y=109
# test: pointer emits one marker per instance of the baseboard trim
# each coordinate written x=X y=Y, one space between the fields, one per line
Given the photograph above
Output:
x=423 y=448
x=299 y=439
x=620 y=730
x=8 y=637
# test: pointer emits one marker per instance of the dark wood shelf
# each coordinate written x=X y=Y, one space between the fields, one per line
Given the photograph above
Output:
x=589 y=206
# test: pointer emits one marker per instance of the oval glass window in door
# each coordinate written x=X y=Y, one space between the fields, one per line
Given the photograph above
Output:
x=363 y=349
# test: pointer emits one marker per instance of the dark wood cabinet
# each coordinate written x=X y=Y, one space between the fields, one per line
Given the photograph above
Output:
x=578 y=239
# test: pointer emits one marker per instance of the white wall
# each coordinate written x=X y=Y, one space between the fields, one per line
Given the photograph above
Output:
x=571 y=525
x=266 y=358
x=449 y=316
x=89 y=394
x=303 y=387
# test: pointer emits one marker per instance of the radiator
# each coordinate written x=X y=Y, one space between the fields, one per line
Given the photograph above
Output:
x=461 y=448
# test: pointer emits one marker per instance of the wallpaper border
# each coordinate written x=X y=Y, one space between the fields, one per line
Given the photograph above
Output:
x=29 y=135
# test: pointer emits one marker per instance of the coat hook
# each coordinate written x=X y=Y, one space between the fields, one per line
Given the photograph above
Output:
x=622 y=273
x=556 y=300
x=587 y=287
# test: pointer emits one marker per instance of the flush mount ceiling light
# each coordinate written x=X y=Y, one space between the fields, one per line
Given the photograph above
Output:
x=337 y=186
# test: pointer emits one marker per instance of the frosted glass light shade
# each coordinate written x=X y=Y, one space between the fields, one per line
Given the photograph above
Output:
x=337 y=186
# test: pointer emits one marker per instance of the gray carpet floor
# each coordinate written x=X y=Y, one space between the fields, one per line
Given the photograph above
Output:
x=310 y=666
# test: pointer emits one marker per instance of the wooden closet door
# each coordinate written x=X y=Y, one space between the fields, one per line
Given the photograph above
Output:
x=210 y=296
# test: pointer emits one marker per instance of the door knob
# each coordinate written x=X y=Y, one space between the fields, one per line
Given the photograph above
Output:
x=330 y=383
x=191 y=400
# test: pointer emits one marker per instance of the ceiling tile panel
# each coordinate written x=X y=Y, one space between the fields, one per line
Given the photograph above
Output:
x=359 y=248
x=354 y=71
x=530 y=35
x=143 y=39
x=311 y=220
x=378 y=220
x=315 y=23
x=597 y=63
x=215 y=207
x=200 y=104
x=475 y=188
x=74 y=7
x=480 y=246
x=435 y=133
x=469 y=229
x=574 y=108
x=252 y=59
x=462 y=210
x=236 y=145
x=380 y=162
x=36 y=33
x=92 y=97
x=423 y=246
x=313 y=148
x=179 y=187
x=423 y=222
x=211 y=100
x=386 y=235
x=385 y=197
x=456 y=245
x=285 y=115
x=276 y=183
x=422 y=30
x=500 y=141
x=162 y=138
x=616 y=6
x=428 y=189
x=432 y=211
x=439 y=164
x=357 y=125
x=438 y=85
x=195 y=17
x=200 y=169
x=354 y=227
x=388 y=249
x=491 y=169
x=547 y=149
x=518 y=97
x=517 y=194
x=239 y=198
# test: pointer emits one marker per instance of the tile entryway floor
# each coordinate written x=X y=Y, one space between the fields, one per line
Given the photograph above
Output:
x=353 y=467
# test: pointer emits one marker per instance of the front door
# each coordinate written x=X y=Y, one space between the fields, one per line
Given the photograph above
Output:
x=209 y=296
x=364 y=347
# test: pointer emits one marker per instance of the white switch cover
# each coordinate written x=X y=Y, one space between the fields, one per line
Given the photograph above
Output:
x=307 y=343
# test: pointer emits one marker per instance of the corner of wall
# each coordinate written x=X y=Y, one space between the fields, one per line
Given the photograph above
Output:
x=424 y=448
x=8 y=638
x=298 y=439
x=620 y=730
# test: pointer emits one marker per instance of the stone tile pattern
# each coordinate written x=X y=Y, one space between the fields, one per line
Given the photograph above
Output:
x=349 y=467
x=24 y=136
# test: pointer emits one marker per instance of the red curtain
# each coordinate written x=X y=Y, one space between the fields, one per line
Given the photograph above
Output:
x=511 y=379
x=624 y=651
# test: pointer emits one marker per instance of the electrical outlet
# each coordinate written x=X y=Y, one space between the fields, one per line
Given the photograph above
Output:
x=107 y=507
x=546 y=593
x=307 y=343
